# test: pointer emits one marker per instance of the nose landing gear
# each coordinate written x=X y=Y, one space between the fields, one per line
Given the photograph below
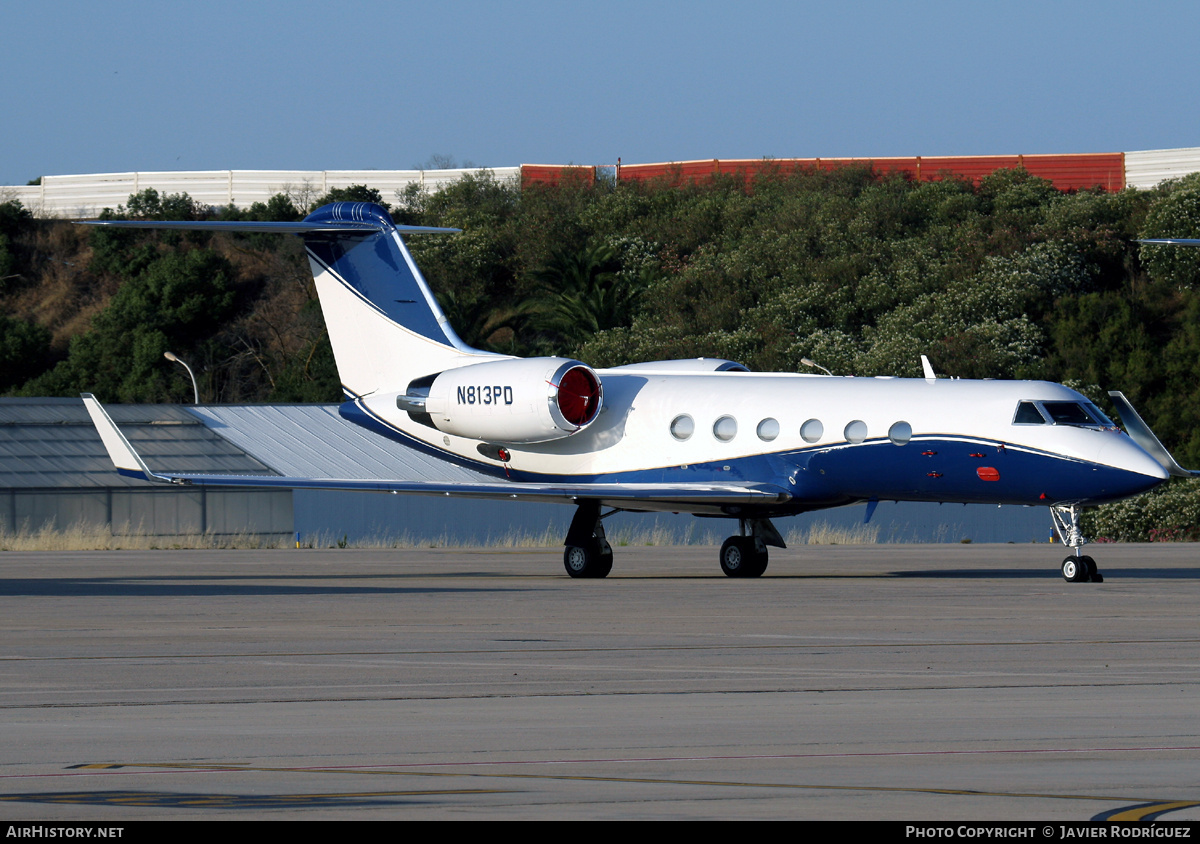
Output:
x=1077 y=568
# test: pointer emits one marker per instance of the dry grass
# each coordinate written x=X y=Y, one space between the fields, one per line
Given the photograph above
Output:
x=822 y=533
x=551 y=537
x=88 y=537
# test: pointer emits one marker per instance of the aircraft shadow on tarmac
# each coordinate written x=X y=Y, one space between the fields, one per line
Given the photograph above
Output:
x=390 y=584
x=1116 y=574
x=224 y=586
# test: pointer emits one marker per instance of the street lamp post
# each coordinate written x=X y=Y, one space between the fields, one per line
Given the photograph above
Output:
x=816 y=365
x=195 y=389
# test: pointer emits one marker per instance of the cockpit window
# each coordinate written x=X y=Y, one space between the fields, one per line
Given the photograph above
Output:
x=1028 y=414
x=1061 y=413
x=1069 y=413
x=1099 y=416
x=1077 y=413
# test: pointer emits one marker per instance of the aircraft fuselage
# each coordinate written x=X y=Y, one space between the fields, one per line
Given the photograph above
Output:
x=826 y=440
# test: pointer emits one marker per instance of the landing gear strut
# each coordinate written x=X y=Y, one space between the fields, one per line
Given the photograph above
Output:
x=587 y=552
x=745 y=555
x=1077 y=568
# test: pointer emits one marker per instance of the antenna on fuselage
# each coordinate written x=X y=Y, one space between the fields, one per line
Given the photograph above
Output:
x=927 y=368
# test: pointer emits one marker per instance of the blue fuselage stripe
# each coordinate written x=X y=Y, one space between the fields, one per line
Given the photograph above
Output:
x=937 y=468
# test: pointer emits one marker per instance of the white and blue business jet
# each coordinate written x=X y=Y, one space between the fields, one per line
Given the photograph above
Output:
x=700 y=436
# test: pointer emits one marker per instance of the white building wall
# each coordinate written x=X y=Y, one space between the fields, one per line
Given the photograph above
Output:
x=85 y=196
x=1147 y=168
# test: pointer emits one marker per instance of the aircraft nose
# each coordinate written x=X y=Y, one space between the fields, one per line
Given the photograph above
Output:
x=1123 y=453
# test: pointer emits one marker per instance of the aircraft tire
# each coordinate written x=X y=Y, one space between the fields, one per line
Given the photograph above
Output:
x=604 y=558
x=592 y=560
x=742 y=557
x=733 y=556
x=758 y=562
x=1075 y=570
x=1093 y=572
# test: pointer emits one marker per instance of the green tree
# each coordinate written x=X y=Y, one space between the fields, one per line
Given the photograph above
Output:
x=24 y=351
x=150 y=205
x=1174 y=214
x=352 y=193
x=175 y=304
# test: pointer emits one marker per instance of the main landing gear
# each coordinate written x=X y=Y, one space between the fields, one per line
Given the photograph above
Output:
x=587 y=552
x=1077 y=568
x=745 y=555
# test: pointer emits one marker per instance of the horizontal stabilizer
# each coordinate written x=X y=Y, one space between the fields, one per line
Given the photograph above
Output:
x=304 y=227
x=1141 y=434
x=127 y=461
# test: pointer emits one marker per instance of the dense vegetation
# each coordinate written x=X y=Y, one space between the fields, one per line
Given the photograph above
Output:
x=862 y=273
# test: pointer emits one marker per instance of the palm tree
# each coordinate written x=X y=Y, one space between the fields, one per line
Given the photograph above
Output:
x=582 y=293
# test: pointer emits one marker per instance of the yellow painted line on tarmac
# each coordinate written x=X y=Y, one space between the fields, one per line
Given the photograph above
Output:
x=1147 y=811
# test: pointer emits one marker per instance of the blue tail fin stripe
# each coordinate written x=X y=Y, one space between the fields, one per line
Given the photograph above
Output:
x=412 y=315
x=377 y=267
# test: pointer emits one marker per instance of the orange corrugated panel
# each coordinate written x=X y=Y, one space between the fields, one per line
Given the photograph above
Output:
x=643 y=172
x=754 y=167
x=1073 y=172
x=682 y=170
x=697 y=169
x=973 y=167
x=1066 y=172
x=879 y=165
x=748 y=167
x=552 y=174
x=907 y=166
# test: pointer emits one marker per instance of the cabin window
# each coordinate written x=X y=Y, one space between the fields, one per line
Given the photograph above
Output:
x=725 y=428
x=812 y=430
x=1028 y=414
x=682 y=427
x=856 y=431
x=900 y=433
x=768 y=429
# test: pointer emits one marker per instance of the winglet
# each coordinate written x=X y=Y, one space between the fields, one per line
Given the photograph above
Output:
x=127 y=461
x=1141 y=434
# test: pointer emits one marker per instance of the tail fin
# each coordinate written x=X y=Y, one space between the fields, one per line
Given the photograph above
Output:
x=385 y=326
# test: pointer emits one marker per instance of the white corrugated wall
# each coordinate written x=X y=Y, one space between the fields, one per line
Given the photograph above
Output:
x=1146 y=168
x=81 y=196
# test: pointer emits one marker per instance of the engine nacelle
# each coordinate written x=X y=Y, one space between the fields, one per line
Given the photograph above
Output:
x=527 y=400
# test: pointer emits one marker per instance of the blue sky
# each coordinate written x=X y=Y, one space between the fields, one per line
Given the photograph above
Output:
x=118 y=86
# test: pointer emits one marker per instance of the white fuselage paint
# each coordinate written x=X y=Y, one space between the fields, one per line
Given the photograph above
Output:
x=633 y=431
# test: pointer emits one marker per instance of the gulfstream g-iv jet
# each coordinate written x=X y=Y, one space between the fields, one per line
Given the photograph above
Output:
x=700 y=436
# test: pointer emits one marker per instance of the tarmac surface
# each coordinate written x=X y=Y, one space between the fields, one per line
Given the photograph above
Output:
x=897 y=682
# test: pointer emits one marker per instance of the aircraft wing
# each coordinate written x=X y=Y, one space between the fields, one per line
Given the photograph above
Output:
x=636 y=496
